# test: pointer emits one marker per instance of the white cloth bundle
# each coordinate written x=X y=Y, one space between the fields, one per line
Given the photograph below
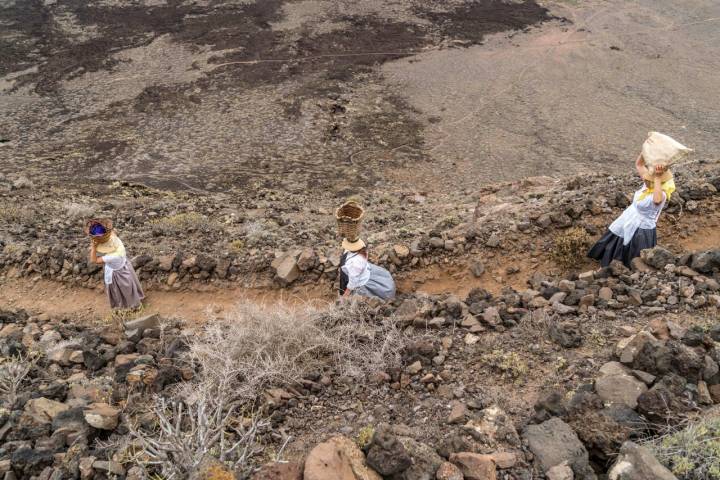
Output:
x=660 y=149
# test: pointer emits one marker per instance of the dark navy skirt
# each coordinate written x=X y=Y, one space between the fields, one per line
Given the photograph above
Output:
x=610 y=247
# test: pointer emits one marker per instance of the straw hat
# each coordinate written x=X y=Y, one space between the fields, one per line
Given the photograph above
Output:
x=355 y=246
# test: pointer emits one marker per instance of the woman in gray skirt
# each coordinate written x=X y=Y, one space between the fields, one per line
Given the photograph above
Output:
x=360 y=277
x=121 y=283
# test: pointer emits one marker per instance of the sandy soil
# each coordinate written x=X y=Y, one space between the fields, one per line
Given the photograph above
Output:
x=319 y=98
x=326 y=94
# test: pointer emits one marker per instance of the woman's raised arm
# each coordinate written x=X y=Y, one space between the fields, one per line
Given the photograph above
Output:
x=640 y=165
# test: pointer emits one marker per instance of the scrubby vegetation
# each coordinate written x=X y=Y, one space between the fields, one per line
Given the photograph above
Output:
x=239 y=356
x=13 y=377
x=692 y=453
x=182 y=223
x=570 y=247
x=15 y=214
x=510 y=364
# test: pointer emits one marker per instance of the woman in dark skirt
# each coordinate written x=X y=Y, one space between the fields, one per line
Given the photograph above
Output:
x=635 y=229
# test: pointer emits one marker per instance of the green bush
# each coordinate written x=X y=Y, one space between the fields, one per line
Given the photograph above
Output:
x=692 y=453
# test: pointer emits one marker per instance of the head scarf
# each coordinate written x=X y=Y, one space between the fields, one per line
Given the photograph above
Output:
x=97 y=230
x=667 y=187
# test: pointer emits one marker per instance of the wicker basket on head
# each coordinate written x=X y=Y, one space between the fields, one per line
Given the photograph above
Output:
x=349 y=220
x=105 y=222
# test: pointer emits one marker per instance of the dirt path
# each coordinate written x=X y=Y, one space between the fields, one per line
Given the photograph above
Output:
x=58 y=299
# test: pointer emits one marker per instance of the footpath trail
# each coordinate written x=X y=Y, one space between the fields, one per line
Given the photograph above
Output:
x=90 y=305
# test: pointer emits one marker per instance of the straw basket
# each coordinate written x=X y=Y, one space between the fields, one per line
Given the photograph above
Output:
x=349 y=220
x=105 y=222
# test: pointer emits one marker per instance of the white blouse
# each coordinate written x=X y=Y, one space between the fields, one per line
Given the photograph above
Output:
x=640 y=214
x=357 y=269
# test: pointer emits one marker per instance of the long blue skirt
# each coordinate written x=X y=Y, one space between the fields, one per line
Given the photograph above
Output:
x=380 y=285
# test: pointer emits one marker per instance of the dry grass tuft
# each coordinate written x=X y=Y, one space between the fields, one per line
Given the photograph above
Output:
x=570 y=247
x=15 y=214
x=78 y=211
x=184 y=223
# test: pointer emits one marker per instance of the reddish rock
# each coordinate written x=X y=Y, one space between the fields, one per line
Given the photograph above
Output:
x=448 y=471
x=474 y=466
x=504 y=460
x=338 y=459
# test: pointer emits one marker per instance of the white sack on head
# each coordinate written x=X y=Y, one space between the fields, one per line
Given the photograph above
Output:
x=660 y=149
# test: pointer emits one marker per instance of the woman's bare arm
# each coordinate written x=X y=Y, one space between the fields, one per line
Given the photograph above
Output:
x=93 y=254
x=657 y=185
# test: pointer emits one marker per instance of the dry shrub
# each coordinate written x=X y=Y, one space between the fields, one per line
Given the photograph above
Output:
x=186 y=434
x=254 y=347
x=77 y=211
x=570 y=247
x=13 y=377
x=183 y=223
x=15 y=214
x=256 y=233
x=239 y=356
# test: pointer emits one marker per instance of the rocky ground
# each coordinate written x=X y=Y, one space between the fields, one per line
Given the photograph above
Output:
x=499 y=235
x=489 y=142
x=549 y=380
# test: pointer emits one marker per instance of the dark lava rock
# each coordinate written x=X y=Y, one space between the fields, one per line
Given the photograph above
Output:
x=93 y=361
x=477 y=295
x=658 y=257
x=454 y=444
x=550 y=405
x=706 y=262
x=166 y=376
x=604 y=431
x=423 y=350
x=554 y=442
x=566 y=334
x=387 y=455
x=54 y=391
x=665 y=399
x=29 y=461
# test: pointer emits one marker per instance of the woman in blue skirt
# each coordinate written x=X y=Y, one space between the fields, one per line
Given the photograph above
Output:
x=360 y=277
x=635 y=229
